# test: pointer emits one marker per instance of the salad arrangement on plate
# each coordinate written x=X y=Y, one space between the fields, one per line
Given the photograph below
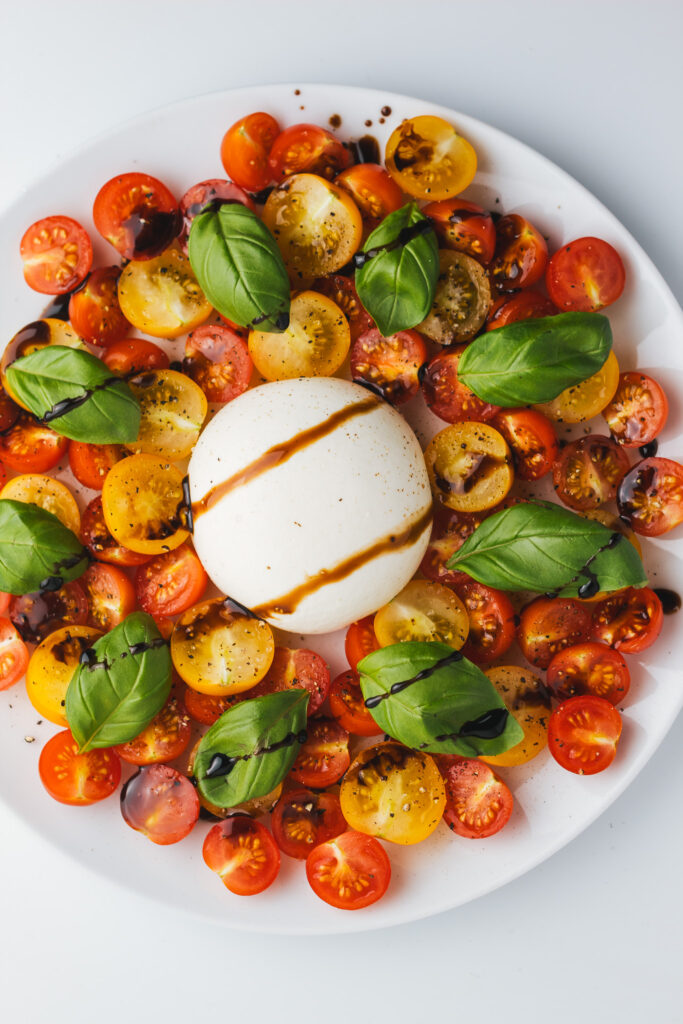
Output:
x=305 y=257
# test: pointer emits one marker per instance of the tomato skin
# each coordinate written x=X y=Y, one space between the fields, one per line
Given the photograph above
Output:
x=30 y=447
x=197 y=197
x=164 y=739
x=349 y=872
x=446 y=395
x=638 y=411
x=161 y=803
x=324 y=757
x=548 y=625
x=390 y=365
x=133 y=355
x=99 y=541
x=94 y=310
x=650 y=496
x=583 y=733
x=521 y=254
x=77 y=779
x=296 y=667
x=204 y=707
x=478 y=803
x=90 y=463
x=170 y=583
x=245 y=149
x=9 y=411
x=492 y=622
x=57 y=255
x=585 y=275
x=532 y=440
x=589 y=668
x=343 y=293
x=527 y=305
x=110 y=596
x=137 y=214
x=374 y=191
x=302 y=820
x=243 y=853
x=13 y=654
x=587 y=472
x=217 y=358
x=307 y=148
x=465 y=227
x=630 y=620
x=450 y=530
x=360 y=640
x=37 y=615
x=348 y=706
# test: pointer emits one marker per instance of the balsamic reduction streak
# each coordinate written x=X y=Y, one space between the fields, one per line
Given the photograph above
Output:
x=89 y=656
x=223 y=764
x=592 y=585
x=69 y=404
x=449 y=659
x=671 y=601
x=404 y=236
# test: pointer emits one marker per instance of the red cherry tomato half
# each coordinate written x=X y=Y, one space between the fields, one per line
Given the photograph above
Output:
x=591 y=669
x=164 y=739
x=374 y=191
x=348 y=706
x=630 y=620
x=133 y=355
x=492 y=621
x=450 y=530
x=324 y=757
x=650 y=496
x=137 y=214
x=585 y=275
x=30 y=447
x=638 y=410
x=343 y=292
x=296 y=667
x=587 y=472
x=527 y=305
x=360 y=640
x=478 y=803
x=99 y=541
x=243 y=854
x=390 y=365
x=94 y=309
x=196 y=198
x=77 y=779
x=90 y=463
x=302 y=820
x=447 y=396
x=465 y=227
x=217 y=358
x=170 y=583
x=37 y=615
x=9 y=411
x=532 y=440
x=205 y=708
x=349 y=872
x=245 y=149
x=13 y=650
x=110 y=596
x=306 y=147
x=548 y=625
x=583 y=733
x=57 y=255
x=161 y=803
x=521 y=254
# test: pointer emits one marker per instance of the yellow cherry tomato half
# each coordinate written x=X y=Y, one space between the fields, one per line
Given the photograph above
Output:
x=429 y=159
x=462 y=300
x=51 y=667
x=162 y=296
x=47 y=493
x=314 y=345
x=584 y=401
x=143 y=504
x=173 y=409
x=217 y=649
x=469 y=466
x=316 y=225
x=423 y=611
x=34 y=336
x=393 y=793
x=528 y=701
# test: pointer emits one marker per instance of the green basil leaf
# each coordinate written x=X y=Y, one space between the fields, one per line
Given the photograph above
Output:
x=36 y=548
x=239 y=267
x=443 y=711
x=397 y=283
x=99 y=407
x=532 y=361
x=127 y=682
x=542 y=547
x=257 y=740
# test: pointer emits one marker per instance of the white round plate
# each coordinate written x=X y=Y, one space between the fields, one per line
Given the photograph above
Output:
x=180 y=144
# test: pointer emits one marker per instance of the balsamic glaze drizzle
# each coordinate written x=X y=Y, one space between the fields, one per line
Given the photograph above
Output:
x=223 y=764
x=648 y=450
x=488 y=726
x=69 y=404
x=592 y=585
x=89 y=656
x=671 y=601
x=404 y=236
x=403 y=684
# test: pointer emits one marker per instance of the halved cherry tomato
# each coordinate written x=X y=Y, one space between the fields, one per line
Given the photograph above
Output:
x=30 y=447
x=587 y=472
x=532 y=441
x=307 y=147
x=528 y=700
x=521 y=254
x=429 y=159
x=650 y=496
x=423 y=611
x=171 y=582
x=349 y=872
x=45 y=492
x=13 y=655
x=315 y=343
x=137 y=214
x=164 y=739
x=51 y=668
x=465 y=227
x=204 y=707
x=99 y=541
x=447 y=396
x=589 y=668
x=218 y=360
x=373 y=189
x=360 y=640
x=57 y=255
x=143 y=503
x=77 y=779
x=450 y=530
x=32 y=338
x=324 y=757
x=243 y=854
x=461 y=302
x=172 y=411
x=630 y=620
x=585 y=275
x=583 y=734
x=37 y=615
x=110 y=595
x=492 y=621
x=161 y=803
x=133 y=355
x=245 y=149
x=478 y=803
x=343 y=293
x=302 y=820
x=197 y=197
x=348 y=706
x=90 y=463
x=296 y=667
x=94 y=309
x=549 y=624
x=585 y=400
x=390 y=365
x=161 y=296
x=527 y=305
x=638 y=410
x=469 y=466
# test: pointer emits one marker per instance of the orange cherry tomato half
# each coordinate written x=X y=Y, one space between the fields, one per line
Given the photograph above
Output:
x=94 y=309
x=527 y=305
x=110 y=595
x=447 y=397
x=245 y=149
x=478 y=803
x=585 y=275
x=521 y=254
x=13 y=652
x=30 y=447
x=57 y=255
x=360 y=640
x=164 y=739
x=243 y=854
x=217 y=358
x=161 y=803
x=532 y=440
x=349 y=872
x=302 y=820
x=348 y=706
x=197 y=197
x=90 y=463
x=99 y=541
x=389 y=366
x=650 y=496
x=548 y=625
x=375 y=192
x=429 y=158
x=37 y=615
x=492 y=621
x=296 y=667
x=465 y=227
x=638 y=410
x=589 y=668
x=77 y=779
x=306 y=147
x=324 y=757
x=170 y=583
x=583 y=733
x=133 y=355
x=587 y=472
x=630 y=620
x=450 y=530
x=204 y=707
x=137 y=214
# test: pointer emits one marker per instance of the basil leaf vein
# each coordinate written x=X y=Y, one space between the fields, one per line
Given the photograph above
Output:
x=34 y=546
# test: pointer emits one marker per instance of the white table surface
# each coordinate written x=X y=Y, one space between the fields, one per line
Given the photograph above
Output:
x=594 y=933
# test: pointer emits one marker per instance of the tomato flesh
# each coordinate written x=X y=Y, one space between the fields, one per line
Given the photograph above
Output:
x=343 y=293
x=90 y=463
x=99 y=541
x=465 y=227
x=245 y=149
x=585 y=275
x=94 y=309
x=547 y=625
x=171 y=583
x=347 y=704
x=527 y=305
x=302 y=820
x=373 y=189
x=133 y=355
x=349 y=872
x=450 y=530
x=296 y=667
x=583 y=733
x=161 y=803
x=37 y=615
x=77 y=779
x=217 y=358
x=478 y=803
x=137 y=214
x=492 y=622
x=587 y=472
x=164 y=739
x=650 y=496
x=110 y=595
x=521 y=254
x=324 y=757
x=57 y=255
x=630 y=620
x=446 y=395
x=389 y=366
x=638 y=411
x=30 y=447
x=13 y=654
x=306 y=147
x=532 y=440
x=589 y=668
x=243 y=854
